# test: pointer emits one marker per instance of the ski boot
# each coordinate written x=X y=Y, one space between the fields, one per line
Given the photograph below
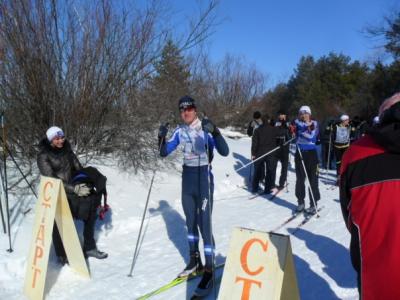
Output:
x=299 y=208
x=311 y=210
x=193 y=267
x=62 y=260
x=205 y=286
x=96 y=254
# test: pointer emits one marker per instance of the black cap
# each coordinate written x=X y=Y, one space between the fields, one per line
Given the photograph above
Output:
x=282 y=112
x=256 y=115
x=186 y=101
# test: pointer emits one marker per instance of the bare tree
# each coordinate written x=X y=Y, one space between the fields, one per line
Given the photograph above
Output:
x=84 y=68
x=227 y=87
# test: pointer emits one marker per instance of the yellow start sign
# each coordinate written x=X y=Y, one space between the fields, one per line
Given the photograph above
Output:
x=52 y=206
x=259 y=266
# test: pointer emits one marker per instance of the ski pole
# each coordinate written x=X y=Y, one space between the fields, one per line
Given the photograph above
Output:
x=328 y=166
x=1 y=204
x=250 y=177
x=210 y=215
x=266 y=154
x=308 y=180
x=6 y=183
x=136 y=253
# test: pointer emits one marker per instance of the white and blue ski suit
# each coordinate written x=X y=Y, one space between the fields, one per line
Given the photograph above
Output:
x=306 y=135
x=197 y=180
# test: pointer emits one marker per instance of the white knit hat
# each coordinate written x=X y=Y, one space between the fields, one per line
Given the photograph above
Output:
x=305 y=109
x=344 y=118
x=53 y=132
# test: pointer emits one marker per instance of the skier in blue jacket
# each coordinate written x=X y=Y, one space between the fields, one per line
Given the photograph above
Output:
x=198 y=139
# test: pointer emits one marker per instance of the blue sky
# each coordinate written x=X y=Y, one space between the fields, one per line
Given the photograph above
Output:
x=274 y=34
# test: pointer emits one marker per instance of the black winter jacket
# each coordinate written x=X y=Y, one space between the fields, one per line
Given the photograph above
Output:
x=58 y=163
x=264 y=139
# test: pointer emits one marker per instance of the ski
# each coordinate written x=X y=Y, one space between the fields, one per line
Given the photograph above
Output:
x=270 y=196
x=331 y=188
x=273 y=195
x=253 y=196
x=288 y=220
x=198 y=297
x=175 y=282
x=307 y=218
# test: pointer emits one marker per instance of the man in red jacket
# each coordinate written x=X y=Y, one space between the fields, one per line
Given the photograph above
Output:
x=370 y=199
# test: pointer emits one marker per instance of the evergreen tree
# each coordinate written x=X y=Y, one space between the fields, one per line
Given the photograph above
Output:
x=171 y=82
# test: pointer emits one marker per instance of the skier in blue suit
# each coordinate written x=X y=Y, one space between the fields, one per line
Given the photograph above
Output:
x=198 y=139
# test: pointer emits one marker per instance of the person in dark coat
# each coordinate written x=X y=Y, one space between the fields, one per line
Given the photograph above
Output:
x=369 y=198
x=255 y=123
x=326 y=133
x=282 y=154
x=263 y=141
x=56 y=159
x=360 y=127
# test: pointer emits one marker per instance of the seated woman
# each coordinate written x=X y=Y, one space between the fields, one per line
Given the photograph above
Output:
x=56 y=159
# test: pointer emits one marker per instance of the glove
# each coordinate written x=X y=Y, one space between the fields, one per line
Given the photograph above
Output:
x=162 y=131
x=311 y=127
x=103 y=211
x=82 y=190
x=292 y=129
x=208 y=126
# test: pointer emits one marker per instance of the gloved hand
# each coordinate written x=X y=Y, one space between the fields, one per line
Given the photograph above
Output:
x=209 y=126
x=162 y=131
x=103 y=210
x=311 y=126
x=292 y=129
x=82 y=190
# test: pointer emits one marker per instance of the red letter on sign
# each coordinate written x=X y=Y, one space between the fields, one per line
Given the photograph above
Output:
x=35 y=272
x=38 y=254
x=246 y=286
x=46 y=199
x=40 y=235
x=245 y=252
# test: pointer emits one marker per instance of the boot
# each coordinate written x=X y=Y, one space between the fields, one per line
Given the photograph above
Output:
x=63 y=260
x=311 y=210
x=299 y=208
x=206 y=284
x=96 y=254
x=193 y=267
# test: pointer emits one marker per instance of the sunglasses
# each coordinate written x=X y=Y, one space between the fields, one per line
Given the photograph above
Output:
x=187 y=109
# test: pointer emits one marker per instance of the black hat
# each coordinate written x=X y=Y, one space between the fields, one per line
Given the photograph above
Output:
x=281 y=112
x=186 y=101
x=256 y=115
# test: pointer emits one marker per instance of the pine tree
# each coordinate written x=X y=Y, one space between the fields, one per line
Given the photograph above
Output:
x=172 y=80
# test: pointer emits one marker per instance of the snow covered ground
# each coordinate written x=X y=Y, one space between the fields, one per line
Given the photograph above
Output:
x=320 y=248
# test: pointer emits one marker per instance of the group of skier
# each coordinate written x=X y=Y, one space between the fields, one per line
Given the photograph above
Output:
x=368 y=173
x=315 y=146
x=271 y=142
x=270 y=145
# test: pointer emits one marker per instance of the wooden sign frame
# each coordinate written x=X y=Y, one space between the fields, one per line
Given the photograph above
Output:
x=259 y=266
x=52 y=205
